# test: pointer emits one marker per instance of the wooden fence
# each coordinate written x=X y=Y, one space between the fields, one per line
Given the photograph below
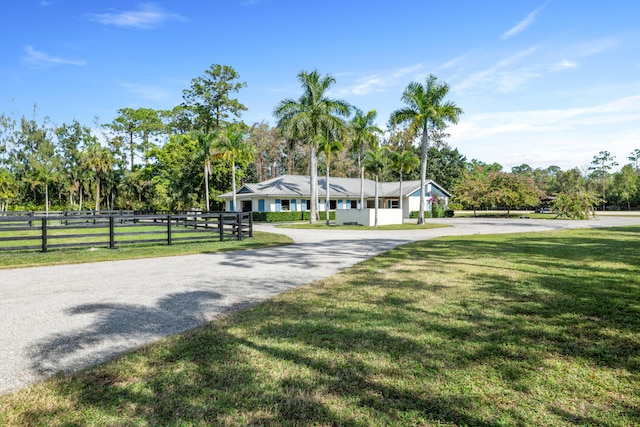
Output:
x=53 y=230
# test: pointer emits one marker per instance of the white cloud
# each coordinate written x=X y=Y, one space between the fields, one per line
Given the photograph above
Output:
x=499 y=77
x=378 y=82
x=566 y=137
x=524 y=24
x=148 y=16
x=152 y=93
x=40 y=59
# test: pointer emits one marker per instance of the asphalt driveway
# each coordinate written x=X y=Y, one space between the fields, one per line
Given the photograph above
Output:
x=64 y=318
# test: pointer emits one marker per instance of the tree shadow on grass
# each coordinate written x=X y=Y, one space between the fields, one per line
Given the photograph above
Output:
x=393 y=349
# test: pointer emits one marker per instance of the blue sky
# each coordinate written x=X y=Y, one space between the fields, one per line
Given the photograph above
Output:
x=540 y=82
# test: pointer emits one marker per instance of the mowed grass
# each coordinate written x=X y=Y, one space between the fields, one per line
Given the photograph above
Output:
x=523 y=329
x=323 y=225
x=32 y=258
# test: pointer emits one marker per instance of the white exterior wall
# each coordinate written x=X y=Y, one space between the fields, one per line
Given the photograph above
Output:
x=367 y=217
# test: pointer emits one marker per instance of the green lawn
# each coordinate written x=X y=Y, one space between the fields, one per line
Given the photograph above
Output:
x=323 y=225
x=524 y=329
x=12 y=259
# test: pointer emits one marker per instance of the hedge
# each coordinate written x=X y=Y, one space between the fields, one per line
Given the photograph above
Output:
x=289 y=216
x=435 y=213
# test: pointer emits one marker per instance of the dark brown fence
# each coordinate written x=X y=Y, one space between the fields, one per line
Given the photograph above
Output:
x=54 y=230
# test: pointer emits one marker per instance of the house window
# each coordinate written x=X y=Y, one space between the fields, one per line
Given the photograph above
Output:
x=354 y=204
x=285 y=205
x=371 y=204
x=247 y=206
x=393 y=204
x=332 y=204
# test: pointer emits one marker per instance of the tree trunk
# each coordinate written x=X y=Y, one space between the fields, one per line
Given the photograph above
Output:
x=375 y=221
x=327 y=205
x=233 y=186
x=46 y=197
x=400 y=197
x=313 y=183
x=206 y=185
x=361 y=179
x=424 y=145
x=132 y=149
x=97 y=194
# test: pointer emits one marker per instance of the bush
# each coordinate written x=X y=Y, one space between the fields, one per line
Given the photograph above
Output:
x=414 y=214
x=288 y=216
x=449 y=213
x=437 y=211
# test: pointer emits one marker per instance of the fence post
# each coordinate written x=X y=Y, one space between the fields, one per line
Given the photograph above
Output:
x=169 y=230
x=221 y=225
x=44 y=234
x=239 y=225
x=250 y=224
x=112 y=232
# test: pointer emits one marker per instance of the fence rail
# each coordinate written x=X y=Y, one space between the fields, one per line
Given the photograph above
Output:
x=55 y=230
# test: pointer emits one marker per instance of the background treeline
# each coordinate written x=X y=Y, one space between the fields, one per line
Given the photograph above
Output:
x=183 y=158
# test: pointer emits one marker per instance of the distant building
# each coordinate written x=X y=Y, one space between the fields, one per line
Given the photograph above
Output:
x=291 y=193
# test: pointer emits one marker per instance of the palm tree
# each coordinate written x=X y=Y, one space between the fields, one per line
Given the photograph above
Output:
x=328 y=145
x=205 y=152
x=364 y=134
x=98 y=159
x=426 y=109
x=312 y=115
x=374 y=162
x=232 y=147
x=404 y=161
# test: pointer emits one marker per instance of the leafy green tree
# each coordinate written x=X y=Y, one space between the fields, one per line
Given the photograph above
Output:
x=445 y=165
x=512 y=190
x=7 y=188
x=404 y=162
x=176 y=170
x=209 y=97
x=601 y=164
x=231 y=146
x=472 y=188
x=72 y=139
x=578 y=203
x=374 y=161
x=364 y=134
x=328 y=146
x=426 y=109
x=523 y=169
x=634 y=157
x=99 y=160
x=626 y=184
x=310 y=116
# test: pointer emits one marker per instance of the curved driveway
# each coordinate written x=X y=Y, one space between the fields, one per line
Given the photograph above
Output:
x=64 y=318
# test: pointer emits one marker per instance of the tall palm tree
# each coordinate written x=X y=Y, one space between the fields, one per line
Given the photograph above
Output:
x=404 y=161
x=374 y=161
x=328 y=146
x=232 y=147
x=364 y=134
x=426 y=109
x=99 y=160
x=310 y=116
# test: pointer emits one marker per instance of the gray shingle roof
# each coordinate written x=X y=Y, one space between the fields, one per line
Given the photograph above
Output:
x=298 y=186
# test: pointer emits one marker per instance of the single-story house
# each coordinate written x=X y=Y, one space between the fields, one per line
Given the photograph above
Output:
x=291 y=193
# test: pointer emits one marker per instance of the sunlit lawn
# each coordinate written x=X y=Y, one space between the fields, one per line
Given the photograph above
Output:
x=333 y=226
x=539 y=329
x=10 y=259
